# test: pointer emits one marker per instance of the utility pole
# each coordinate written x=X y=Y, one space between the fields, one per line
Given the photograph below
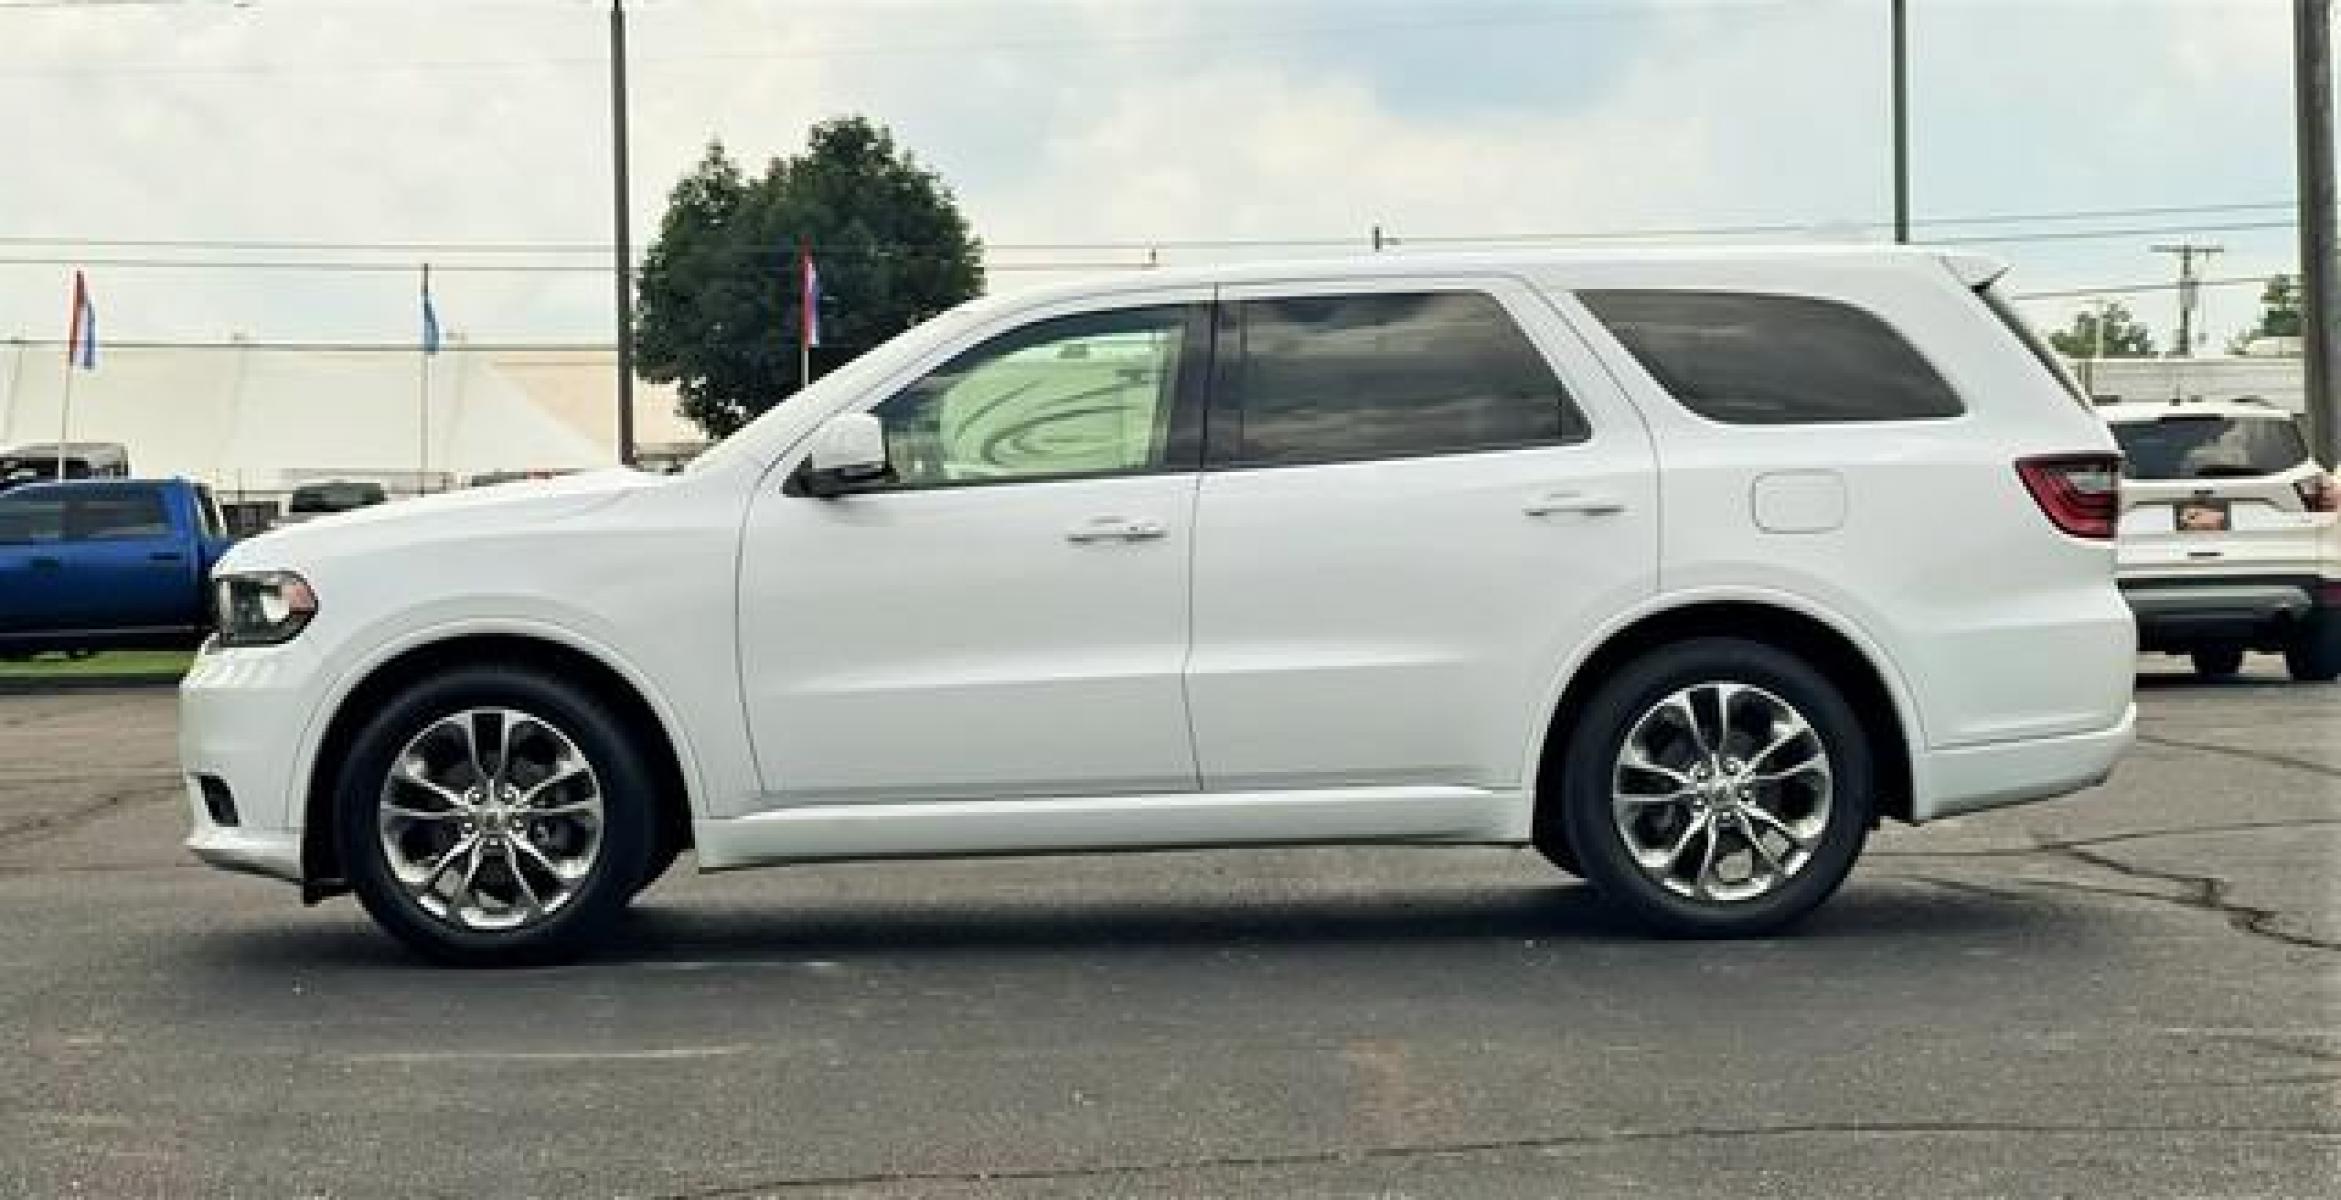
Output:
x=2188 y=287
x=1901 y=123
x=2320 y=275
x=624 y=221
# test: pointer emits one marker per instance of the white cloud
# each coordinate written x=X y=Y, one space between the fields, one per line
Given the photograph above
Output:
x=1088 y=121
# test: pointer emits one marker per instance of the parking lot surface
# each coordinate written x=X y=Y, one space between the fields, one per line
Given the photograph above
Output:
x=2135 y=991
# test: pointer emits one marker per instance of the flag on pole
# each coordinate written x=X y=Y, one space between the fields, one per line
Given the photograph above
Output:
x=430 y=316
x=81 y=346
x=808 y=297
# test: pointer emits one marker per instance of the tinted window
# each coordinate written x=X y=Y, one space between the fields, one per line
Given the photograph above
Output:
x=1757 y=359
x=2209 y=447
x=1334 y=378
x=100 y=513
x=31 y=518
x=1085 y=395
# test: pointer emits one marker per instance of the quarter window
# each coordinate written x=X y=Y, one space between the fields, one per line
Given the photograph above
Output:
x=1389 y=375
x=1759 y=359
x=1085 y=395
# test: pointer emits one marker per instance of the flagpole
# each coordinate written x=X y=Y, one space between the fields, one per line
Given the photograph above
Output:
x=423 y=402
x=65 y=418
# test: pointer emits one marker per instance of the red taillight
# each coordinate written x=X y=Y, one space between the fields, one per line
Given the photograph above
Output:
x=2318 y=493
x=2081 y=493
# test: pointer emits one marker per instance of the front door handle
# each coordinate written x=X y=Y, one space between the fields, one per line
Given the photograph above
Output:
x=47 y=564
x=166 y=556
x=1588 y=503
x=1115 y=529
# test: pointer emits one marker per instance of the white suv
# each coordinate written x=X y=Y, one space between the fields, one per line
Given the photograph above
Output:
x=2228 y=536
x=1685 y=569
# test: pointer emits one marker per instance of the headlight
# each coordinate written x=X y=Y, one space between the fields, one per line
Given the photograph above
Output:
x=267 y=608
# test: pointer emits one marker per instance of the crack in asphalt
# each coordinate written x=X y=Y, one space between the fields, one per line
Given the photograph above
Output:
x=1357 y=1154
x=2206 y=892
x=2109 y=839
x=2267 y=757
x=52 y=824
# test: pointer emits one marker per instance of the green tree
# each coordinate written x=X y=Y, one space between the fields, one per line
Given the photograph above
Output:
x=2279 y=312
x=2124 y=336
x=719 y=310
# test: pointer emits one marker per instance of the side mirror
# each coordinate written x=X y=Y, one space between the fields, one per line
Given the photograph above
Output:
x=849 y=452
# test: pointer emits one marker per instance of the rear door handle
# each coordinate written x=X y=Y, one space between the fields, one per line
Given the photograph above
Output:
x=166 y=556
x=1587 y=503
x=1115 y=529
x=47 y=564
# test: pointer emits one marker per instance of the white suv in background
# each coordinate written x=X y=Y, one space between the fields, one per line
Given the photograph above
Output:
x=2228 y=536
x=1684 y=568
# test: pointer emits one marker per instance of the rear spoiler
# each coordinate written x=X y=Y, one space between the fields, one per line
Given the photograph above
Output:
x=1977 y=271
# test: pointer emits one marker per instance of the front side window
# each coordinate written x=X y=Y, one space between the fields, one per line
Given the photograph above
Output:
x=113 y=513
x=31 y=519
x=1085 y=395
x=1754 y=358
x=1389 y=375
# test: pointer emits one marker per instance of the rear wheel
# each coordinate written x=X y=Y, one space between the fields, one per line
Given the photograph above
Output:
x=1717 y=788
x=495 y=815
x=2217 y=662
x=2315 y=653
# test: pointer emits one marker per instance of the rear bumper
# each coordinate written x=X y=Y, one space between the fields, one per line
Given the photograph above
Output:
x=1972 y=778
x=2173 y=613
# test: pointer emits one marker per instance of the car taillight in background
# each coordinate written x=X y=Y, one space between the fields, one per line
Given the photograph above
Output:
x=2318 y=493
x=2080 y=493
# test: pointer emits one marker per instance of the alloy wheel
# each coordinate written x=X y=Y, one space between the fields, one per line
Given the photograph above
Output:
x=1722 y=792
x=491 y=819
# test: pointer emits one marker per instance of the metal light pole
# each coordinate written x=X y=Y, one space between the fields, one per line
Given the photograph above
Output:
x=1901 y=123
x=620 y=214
x=2320 y=275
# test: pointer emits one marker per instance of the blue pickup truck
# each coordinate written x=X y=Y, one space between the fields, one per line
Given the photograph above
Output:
x=103 y=565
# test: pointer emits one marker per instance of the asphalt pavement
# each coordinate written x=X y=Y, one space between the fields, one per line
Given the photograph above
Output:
x=2134 y=992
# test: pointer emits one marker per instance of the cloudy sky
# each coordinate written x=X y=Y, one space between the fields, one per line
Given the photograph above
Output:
x=314 y=130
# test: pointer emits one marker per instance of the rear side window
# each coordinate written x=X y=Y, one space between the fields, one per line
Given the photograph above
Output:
x=2209 y=447
x=1752 y=358
x=1387 y=375
x=109 y=513
x=31 y=519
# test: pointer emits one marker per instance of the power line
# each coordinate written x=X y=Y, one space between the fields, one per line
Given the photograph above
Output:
x=2127 y=288
x=556 y=248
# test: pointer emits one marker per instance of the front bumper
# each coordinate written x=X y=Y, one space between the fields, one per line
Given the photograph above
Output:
x=1969 y=779
x=242 y=717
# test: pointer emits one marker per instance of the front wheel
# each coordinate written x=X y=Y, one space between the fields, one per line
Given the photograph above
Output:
x=495 y=815
x=1717 y=788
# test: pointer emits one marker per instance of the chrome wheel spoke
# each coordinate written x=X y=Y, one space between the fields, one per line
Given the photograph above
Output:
x=529 y=804
x=1696 y=784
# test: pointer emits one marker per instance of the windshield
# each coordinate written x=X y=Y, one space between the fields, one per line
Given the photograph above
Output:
x=905 y=346
x=2209 y=447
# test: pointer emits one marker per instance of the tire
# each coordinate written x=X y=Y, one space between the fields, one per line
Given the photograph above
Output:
x=1813 y=819
x=2315 y=653
x=2217 y=662
x=655 y=866
x=549 y=866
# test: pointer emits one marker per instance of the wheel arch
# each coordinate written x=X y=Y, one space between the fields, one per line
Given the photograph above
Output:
x=1887 y=724
x=321 y=867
